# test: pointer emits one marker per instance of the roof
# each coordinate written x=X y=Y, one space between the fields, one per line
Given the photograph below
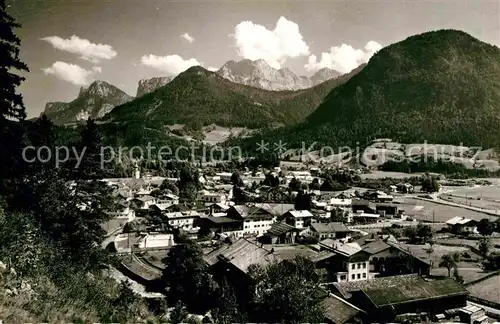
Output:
x=376 y=246
x=300 y=213
x=339 y=310
x=280 y=228
x=181 y=214
x=333 y=227
x=220 y=219
x=242 y=254
x=403 y=293
x=346 y=288
x=276 y=209
x=458 y=221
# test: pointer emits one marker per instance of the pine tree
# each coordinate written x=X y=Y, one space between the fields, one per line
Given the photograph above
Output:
x=11 y=103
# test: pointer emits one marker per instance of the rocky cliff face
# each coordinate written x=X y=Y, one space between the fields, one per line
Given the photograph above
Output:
x=150 y=85
x=94 y=101
x=256 y=73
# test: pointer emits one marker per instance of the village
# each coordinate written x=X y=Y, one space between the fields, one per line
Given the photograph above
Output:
x=387 y=254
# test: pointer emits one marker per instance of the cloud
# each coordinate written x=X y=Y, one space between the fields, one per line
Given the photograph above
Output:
x=172 y=64
x=83 y=47
x=72 y=73
x=187 y=37
x=255 y=41
x=343 y=58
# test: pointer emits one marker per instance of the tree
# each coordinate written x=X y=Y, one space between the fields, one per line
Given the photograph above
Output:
x=294 y=184
x=227 y=310
x=236 y=180
x=430 y=184
x=449 y=261
x=188 y=183
x=484 y=246
x=11 y=105
x=186 y=276
x=169 y=186
x=458 y=278
x=287 y=292
x=90 y=146
x=485 y=227
x=303 y=201
x=179 y=314
x=424 y=233
x=315 y=184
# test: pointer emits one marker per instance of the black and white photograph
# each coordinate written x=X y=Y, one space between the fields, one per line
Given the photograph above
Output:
x=250 y=161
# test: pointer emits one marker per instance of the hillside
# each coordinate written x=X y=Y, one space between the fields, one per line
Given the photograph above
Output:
x=198 y=97
x=95 y=102
x=441 y=86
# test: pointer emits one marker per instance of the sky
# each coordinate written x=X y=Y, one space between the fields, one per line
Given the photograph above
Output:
x=68 y=44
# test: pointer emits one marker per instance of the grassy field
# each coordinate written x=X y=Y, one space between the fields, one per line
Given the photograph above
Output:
x=423 y=210
x=488 y=289
x=486 y=197
x=468 y=274
x=473 y=243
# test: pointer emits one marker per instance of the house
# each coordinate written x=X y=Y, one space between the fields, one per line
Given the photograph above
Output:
x=186 y=220
x=460 y=225
x=219 y=208
x=224 y=176
x=405 y=188
x=230 y=264
x=333 y=230
x=279 y=233
x=123 y=211
x=387 y=209
x=433 y=297
x=299 y=219
x=256 y=220
x=340 y=202
x=220 y=225
x=144 y=201
x=364 y=206
x=387 y=258
x=211 y=197
x=155 y=241
x=348 y=262
x=167 y=200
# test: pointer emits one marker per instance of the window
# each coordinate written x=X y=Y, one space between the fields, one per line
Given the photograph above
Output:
x=359 y=276
x=353 y=266
x=359 y=265
x=364 y=265
x=353 y=277
x=364 y=274
x=343 y=277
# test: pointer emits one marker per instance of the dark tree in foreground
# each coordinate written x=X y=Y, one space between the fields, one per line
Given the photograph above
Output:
x=187 y=280
x=287 y=292
x=11 y=103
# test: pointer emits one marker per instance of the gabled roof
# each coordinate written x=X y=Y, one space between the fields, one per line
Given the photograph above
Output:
x=458 y=221
x=333 y=227
x=376 y=246
x=280 y=228
x=276 y=209
x=338 y=310
x=300 y=213
x=250 y=212
x=403 y=293
x=242 y=254
x=346 y=288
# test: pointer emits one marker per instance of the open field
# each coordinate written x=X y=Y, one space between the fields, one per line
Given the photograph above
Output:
x=473 y=243
x=426 y=210
x=439 y=251
x=486 y=197
x=469 y=274
x=488 y=289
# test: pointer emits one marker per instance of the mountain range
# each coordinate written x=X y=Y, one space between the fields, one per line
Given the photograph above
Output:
x=256 y=73
x=440 y=87
x=94 y=101
x=199 y=97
